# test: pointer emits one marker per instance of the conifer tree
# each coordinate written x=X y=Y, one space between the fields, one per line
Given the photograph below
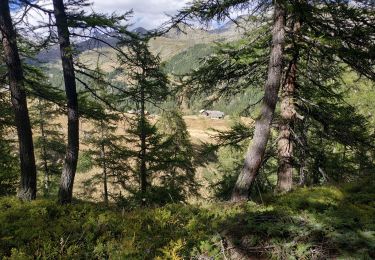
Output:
x=49 y=144
x=9 y=164
x=207 y=10
x=288 y=111
x=106 y=151
x=322 y=30
x=18 y=96
x=330 y=18
x=179 y=170
x=255 y=155
x=159 y=153
x=72 y=21
x=71 y=156
x=105 y=141
x=146 y=83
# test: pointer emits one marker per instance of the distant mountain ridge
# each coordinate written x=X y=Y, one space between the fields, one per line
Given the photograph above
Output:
x=53 y=53
x=168 y=45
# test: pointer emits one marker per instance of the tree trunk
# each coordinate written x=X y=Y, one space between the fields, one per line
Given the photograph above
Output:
x=18 y=96
x=104 y=164
x=285 y=140
x=288 y=114
x=71 y=156
x=105 y=182
x=44 y=150
x=143 y=168
x=255 y=154
x=304 y=152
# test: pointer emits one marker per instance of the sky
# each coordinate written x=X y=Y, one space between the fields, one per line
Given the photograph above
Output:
x=147 y=13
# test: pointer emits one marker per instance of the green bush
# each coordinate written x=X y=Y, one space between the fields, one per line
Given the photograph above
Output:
x=9 y=169
x=315 y=223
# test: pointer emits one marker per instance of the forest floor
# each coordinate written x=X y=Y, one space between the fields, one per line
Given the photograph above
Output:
x=325 y=222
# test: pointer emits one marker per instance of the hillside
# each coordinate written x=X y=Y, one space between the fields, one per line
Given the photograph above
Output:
x=316 y=223
x=201 y=130
x=236 y=130
x=167 y=46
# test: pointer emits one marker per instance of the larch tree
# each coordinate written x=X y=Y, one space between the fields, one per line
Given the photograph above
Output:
x=66 y=51
x=49 y=142
x=9 y=163
x=104 y=140
x=321 y=21
x=207 y=10
x=255 y=154
x=70 y=20
x=28 y=181
x=146 y=83
x=105 y=150
x=288 y=113
x=178 y=175
x=159 y=152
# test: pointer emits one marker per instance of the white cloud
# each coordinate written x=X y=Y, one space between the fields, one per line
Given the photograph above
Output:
x=147 y=13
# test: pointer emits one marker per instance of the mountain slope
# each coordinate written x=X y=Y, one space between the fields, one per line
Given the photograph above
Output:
x=167 y=46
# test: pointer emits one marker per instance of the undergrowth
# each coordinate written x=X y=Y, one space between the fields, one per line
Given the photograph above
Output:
x=308 y=223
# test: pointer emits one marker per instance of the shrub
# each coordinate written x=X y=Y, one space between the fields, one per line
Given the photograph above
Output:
x=315 y=223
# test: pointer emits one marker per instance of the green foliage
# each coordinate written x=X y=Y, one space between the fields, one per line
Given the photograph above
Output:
x=360 y=94
x=146 y=81
x=9 y=168
x=88 y=231
x=85 y=162
x=179 y=169
x=326 y=222
x=231 y=78
x=9 y=162
x=227 y=161
x=159 y=161
x=228 y=166
x=188 y=60
x=334 y=138
x=106 y=151
x=154 y=196
x=49 y=142
x=334 y=142
x=169 y=162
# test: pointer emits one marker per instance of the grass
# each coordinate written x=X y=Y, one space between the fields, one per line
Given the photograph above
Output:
x=308 y=223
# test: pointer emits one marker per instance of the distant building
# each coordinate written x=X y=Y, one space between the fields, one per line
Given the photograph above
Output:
x=136 y=112
x=213 y=114
x=132 y=111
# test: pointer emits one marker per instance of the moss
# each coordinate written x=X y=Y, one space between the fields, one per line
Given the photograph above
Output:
x=323 y=222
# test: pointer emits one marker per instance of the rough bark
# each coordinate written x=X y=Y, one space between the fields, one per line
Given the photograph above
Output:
x=285 y=140
x=288 y=115
x=27 y=189
x=304 y=152
x=71 y=156
x=255 y=154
